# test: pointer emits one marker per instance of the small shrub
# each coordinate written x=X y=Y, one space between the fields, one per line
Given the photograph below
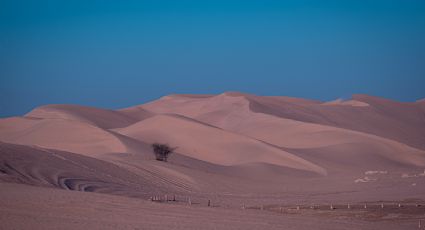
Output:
x=162 y=151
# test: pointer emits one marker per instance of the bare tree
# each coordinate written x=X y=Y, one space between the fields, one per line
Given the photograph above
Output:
x=162 y=151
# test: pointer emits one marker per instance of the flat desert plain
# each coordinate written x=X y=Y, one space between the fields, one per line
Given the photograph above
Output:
x=240 y=161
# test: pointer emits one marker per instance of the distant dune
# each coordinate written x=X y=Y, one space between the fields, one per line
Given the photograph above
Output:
x=102 y=118
x=385 y=118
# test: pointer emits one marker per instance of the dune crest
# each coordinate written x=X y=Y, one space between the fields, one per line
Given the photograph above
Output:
x=346 y=102
x=102 y=118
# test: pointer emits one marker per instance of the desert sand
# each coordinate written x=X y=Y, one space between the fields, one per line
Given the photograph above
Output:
x=262 y=162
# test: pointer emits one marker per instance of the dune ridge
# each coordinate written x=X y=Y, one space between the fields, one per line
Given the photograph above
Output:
x=102 y=118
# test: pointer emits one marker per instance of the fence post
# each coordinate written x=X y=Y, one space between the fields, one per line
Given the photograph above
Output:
x=190 y=201
x=348 y=206
x=209 y=203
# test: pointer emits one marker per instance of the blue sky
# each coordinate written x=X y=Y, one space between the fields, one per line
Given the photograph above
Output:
x=114 y=54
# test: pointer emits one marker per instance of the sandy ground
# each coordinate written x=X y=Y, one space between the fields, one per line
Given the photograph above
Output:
x=28 y=207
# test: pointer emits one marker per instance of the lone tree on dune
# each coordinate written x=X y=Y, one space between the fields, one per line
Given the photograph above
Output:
x=162 y=151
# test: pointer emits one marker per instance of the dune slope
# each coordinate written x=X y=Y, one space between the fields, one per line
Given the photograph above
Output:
x=52 y=168
x=62 y=134
x=211 y=144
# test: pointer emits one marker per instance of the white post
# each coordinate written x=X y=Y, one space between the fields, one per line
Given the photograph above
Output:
x=298 y=207
x=190 y=201
x=348 y=206
x=382 y=205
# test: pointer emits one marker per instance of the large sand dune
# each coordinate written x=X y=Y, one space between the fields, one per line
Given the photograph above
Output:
x=212 y=144
x=292 y=134
x=232 y=148
x=381 y=117
x=234 y=129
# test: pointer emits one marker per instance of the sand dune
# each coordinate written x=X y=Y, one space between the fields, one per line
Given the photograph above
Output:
x=130 y=175
x=230 y=129
x=52 y=168
x=137 y=113
x=212 y=144
x=63 y=134
x=232 y=148
x=102 y=118
x=384 y=118
x=315 y=126
x=291 y=134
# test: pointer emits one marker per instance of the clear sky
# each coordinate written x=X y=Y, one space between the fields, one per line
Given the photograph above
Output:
x=115 y=54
